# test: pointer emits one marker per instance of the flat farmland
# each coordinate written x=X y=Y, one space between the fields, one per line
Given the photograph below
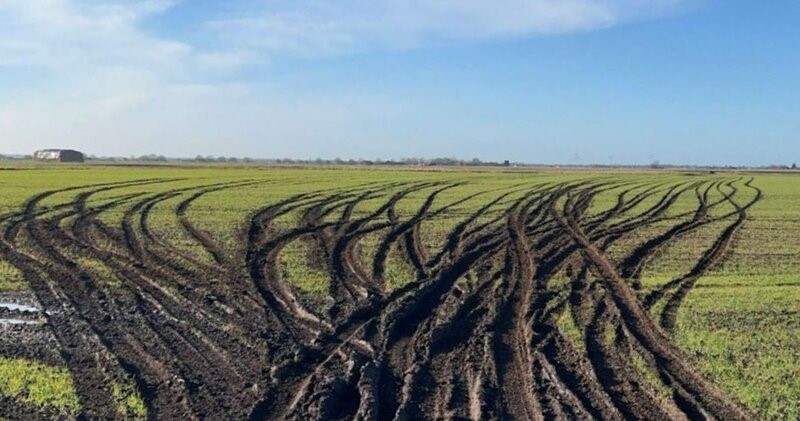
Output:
x=342 y=293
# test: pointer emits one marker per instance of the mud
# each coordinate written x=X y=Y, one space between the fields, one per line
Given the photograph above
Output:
x=473 y=336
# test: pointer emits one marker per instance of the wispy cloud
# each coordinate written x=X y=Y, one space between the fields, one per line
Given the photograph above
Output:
x=101 y=74
x=110 y=32
x=65 y=32
x=314 y=27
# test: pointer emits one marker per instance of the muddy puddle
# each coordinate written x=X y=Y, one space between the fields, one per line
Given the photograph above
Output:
x=10 y=322
x=19 y=307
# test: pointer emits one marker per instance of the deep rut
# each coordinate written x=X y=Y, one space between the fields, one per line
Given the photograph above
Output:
x=476 y=332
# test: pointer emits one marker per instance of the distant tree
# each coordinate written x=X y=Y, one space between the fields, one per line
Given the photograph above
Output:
x=444 y=161
x=655 y=164
x=506 y=163
x=152 y=158
x=794 y=166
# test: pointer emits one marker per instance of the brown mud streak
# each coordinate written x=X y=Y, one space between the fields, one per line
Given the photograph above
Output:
x=73 y=332
x=514 y=360
x=75 y=336
x=474 y=336
x=181 y=338
x=90 y=299
x=648 y=333
x=710 y=258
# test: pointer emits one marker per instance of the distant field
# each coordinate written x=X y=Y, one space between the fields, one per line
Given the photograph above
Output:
x=335 y=292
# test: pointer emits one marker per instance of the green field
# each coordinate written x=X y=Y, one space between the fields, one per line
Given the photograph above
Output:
x=739 y=324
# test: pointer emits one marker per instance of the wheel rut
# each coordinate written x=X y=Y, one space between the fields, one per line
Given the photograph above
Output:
x=518 y=313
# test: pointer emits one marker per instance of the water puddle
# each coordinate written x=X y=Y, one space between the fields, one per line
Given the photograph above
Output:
x=19 y=307
x=18 y=322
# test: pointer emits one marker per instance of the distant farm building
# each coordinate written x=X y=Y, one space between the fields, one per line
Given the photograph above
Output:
x=58 y=155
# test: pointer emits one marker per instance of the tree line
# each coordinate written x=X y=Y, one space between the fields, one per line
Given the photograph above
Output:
x=317 y=161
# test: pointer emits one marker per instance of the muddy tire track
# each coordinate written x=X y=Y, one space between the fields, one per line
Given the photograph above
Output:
x=479 y=332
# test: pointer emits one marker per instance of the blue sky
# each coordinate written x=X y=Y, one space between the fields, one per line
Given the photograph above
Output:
x=570 y=81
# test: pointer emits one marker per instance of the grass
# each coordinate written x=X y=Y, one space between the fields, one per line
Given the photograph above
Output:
x=299 y=272
x=11 y=278
x=745 y=335
x=398 y=271
x=38 y=384
x=740 y=324
x=566 y=325
x=100 y=269
x=129 y=403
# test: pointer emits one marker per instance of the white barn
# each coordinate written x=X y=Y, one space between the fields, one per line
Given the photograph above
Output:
x=58 y=155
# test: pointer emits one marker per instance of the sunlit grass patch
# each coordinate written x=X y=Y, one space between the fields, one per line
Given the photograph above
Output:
x=11 y=278
x=99 y=269
x=567 y=326
x=399 y=272
x=297 y=270
x=129 y=403
x=747 y=342
x=38 y=384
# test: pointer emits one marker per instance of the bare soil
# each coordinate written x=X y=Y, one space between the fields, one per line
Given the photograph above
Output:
x=473 y=336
